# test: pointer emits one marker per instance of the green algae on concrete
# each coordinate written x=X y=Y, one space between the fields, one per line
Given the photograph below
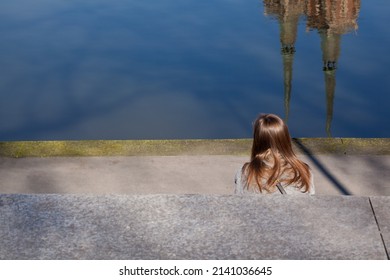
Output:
x=346 y=146
x=124 y=148
x=239 y=147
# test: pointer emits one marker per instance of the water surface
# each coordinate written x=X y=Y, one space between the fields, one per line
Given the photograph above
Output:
x=174 y=69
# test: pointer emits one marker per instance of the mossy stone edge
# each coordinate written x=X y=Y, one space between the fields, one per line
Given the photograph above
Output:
x=237 y=147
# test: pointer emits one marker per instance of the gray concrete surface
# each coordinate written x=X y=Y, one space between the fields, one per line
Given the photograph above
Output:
x=139 y=206
x=361 y=175
x=381 y=211
x=191 y=227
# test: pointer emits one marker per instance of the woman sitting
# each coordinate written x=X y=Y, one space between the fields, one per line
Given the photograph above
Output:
x=273 y=168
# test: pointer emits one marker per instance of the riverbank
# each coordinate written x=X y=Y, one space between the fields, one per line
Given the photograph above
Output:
x=340 y=166
x=237 y=147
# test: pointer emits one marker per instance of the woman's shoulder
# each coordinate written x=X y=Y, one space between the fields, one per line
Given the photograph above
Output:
x=240 y=182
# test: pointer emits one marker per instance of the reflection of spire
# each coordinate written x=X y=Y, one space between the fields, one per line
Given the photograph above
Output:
x=288 y=35
x=332 y=18
x=288 y=59
x=287 y=12
x=330 y=46
x=330 y=86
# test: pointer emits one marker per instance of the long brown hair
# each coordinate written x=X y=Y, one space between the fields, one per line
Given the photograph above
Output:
x=272 y=157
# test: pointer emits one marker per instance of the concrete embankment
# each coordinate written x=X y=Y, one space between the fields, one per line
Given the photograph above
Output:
x=173 y=200
x=236 y=147
x=340 y=166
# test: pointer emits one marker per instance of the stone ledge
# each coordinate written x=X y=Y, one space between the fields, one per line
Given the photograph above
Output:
x=343 y=146
x=191 y=227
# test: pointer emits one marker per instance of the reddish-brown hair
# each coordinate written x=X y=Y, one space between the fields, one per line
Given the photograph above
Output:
x=272 y=157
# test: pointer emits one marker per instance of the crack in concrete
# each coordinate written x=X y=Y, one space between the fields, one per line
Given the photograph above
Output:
x=379 y=229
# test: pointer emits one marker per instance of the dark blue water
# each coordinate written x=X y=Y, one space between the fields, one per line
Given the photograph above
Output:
x=167 y=69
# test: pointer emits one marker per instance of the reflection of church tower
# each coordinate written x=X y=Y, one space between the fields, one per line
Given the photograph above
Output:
x=288 y=13
x=330 y=46
x=330 y=87
x=332 y=18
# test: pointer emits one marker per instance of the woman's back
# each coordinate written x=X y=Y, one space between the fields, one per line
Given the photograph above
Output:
x=273 y=166
x=242 y=187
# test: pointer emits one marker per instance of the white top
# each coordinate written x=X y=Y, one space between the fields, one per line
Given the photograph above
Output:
x=240 y=187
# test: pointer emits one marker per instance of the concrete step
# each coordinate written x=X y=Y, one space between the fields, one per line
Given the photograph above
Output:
x=334 y=174
x=44 y=226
